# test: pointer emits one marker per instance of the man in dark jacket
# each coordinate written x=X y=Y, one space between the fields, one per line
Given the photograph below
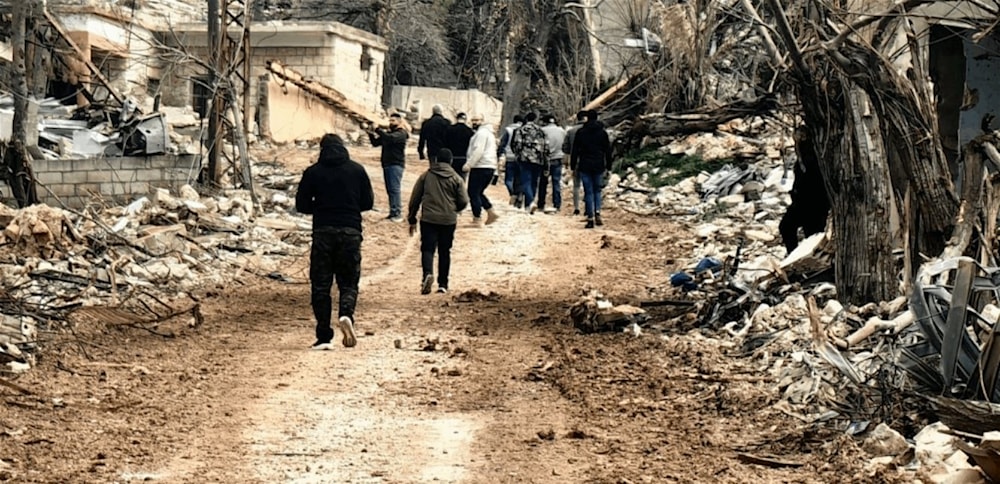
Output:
x=441 y=194
x=457 y=141
x=334 y=190
x=591 y=157
x=393 y=143
x=432 y=133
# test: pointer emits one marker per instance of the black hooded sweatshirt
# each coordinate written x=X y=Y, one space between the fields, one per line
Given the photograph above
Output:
x=335 y=190
x=591 y=149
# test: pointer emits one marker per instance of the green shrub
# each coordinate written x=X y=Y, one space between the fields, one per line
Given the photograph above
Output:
x=662 y=168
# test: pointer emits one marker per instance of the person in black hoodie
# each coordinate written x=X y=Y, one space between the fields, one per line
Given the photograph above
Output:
x=432 y=134
x=393 y=143
x=591 y=158
x=334 y=190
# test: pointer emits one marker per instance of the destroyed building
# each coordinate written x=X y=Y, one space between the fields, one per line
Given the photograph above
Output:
x=126 y=83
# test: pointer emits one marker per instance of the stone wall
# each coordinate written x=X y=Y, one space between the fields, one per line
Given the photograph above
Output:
x=121 y=179
x=454 y=101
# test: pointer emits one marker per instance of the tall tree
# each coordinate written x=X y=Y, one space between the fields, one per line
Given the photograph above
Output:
x=17 y=161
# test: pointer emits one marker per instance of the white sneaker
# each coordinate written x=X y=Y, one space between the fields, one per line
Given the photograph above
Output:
x=532 y=208
x=320 y=346
x=346 y=327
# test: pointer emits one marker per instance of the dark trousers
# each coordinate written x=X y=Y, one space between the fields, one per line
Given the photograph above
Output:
x=457 y=163
x=479 y=180
x=335 y=255
x=555 y=174
x=440 y=238
x=530 y=174
x=512 y=178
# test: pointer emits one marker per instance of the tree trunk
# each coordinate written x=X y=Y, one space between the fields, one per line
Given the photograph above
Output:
x=528 y=56
x=865 y=267
x=16 y=158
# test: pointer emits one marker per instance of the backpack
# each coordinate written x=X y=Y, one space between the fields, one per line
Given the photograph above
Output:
x=529 y=144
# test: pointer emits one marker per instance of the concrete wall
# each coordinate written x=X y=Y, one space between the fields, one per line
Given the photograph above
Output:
x=122 y=179
x=454 y=101
x=327 y=52
x=297 y=115
x=138 y=54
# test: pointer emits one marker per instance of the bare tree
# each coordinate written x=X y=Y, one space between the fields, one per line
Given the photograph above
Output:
x=17 y=161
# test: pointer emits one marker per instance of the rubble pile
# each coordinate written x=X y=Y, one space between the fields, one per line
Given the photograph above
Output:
x=833 y=364
x=55 y=263
x=101 y=130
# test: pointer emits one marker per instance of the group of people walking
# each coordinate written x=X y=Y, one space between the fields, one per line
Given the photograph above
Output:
x=535 y=155
x=464 y=162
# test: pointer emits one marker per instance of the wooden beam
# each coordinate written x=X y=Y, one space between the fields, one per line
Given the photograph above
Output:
x=332 y=96
x=58 y=26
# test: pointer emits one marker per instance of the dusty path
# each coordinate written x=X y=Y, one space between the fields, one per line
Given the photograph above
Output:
x=501 y=390
x=361 y=415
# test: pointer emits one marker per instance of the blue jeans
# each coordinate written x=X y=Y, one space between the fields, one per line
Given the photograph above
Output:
x=530 y=173
x=576 y=190
x=555 y=173
x=591 y=192
x=511 y=178
x=393 y=182
x=479 y=179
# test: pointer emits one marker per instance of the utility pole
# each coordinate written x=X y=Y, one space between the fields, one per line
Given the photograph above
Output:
x=214 y=82
x=16 y=158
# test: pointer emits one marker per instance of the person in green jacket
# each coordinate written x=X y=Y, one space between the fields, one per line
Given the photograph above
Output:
x=439 y=195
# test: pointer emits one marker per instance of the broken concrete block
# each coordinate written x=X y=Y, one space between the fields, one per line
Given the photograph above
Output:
x=276 y=224
x=189 y=193
x=706 y=230
x=884 y=441
x=162 y=198
x=734 y=199
x=758 y=235
x=196 y=206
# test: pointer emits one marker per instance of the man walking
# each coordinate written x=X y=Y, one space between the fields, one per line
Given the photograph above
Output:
x=555 y=137
x=393 y=143
x=512 y=178
x=438 y=195
x=334 y=190
x=482 y=158
x=432 y=133
x=567 y=149
x=531 y=149
x=591 y=157
x=456 y=139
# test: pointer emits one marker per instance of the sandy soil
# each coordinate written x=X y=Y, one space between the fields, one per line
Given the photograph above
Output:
x=437 y=390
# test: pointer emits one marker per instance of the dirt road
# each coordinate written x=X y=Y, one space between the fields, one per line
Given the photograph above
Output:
x=439 y=389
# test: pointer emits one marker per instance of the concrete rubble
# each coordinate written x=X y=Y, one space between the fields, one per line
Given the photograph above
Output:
x=831 y=363
x=54 y=262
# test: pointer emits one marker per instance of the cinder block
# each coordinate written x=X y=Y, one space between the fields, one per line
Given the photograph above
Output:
x=87 y=189
x=59 y=190
x=74 y=177
x=98 y=176
x=87 y=164
x=148 y=174
x=48 y=177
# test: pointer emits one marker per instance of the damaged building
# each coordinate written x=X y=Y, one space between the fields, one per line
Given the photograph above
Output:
x=122 y=85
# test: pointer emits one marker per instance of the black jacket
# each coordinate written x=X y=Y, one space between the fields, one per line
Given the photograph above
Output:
x=335 y=190
x=393 y=145
x=457 y=139
x=591 y=149
x=432 y=135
